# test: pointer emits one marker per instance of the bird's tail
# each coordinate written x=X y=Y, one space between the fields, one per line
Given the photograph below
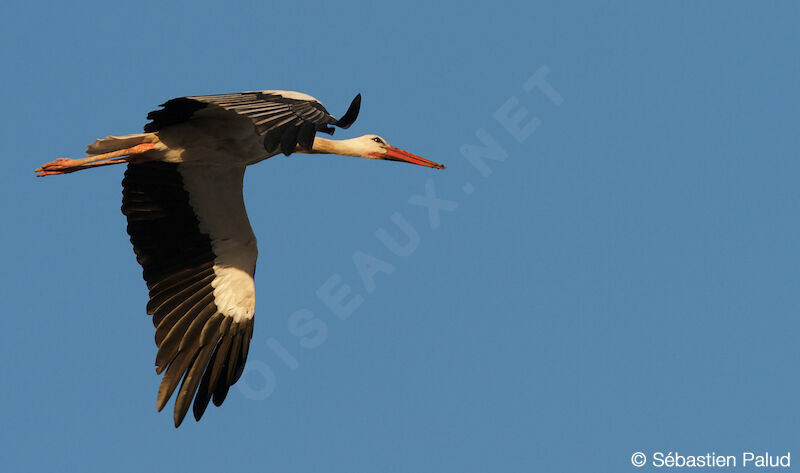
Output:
x=115 y=143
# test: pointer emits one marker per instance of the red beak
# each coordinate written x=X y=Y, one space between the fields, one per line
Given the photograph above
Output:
x=397 y=154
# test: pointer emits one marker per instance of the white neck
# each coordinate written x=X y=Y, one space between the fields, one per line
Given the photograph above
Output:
x=349 y=147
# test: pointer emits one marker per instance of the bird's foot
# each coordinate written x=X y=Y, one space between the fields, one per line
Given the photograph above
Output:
x=59 y=166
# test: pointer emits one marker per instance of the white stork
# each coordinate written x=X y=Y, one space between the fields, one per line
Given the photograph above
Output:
x=182 y=196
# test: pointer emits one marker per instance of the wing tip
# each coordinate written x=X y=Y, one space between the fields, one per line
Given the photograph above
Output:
x=212 y=370
x=352 y=113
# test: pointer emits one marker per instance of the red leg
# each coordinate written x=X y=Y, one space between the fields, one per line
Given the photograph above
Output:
x=67 y=165
x=129 y=159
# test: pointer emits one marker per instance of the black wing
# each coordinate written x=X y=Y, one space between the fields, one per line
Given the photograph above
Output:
x=202 y=345
x=284 y=119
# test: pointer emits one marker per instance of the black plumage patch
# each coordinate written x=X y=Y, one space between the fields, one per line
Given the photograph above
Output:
x=289 y=139
x=194 y=339
x=305 y=135
x=161 y=223
x=351 y=114
x=175 y=111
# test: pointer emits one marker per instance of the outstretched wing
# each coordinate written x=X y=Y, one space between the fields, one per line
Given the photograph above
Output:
x=190 y=233
x=285 y=119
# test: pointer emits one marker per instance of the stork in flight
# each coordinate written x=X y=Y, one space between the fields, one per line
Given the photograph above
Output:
x=182 y=196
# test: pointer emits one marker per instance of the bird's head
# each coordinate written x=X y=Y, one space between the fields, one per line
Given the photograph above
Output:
x=375 y=147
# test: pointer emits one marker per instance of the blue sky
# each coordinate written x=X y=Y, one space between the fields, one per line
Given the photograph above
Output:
x=624 y=280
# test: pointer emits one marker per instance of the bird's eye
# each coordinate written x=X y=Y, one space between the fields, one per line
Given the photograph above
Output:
x=377 y=140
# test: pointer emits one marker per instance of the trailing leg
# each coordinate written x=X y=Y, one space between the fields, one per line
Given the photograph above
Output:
x=67 y=165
